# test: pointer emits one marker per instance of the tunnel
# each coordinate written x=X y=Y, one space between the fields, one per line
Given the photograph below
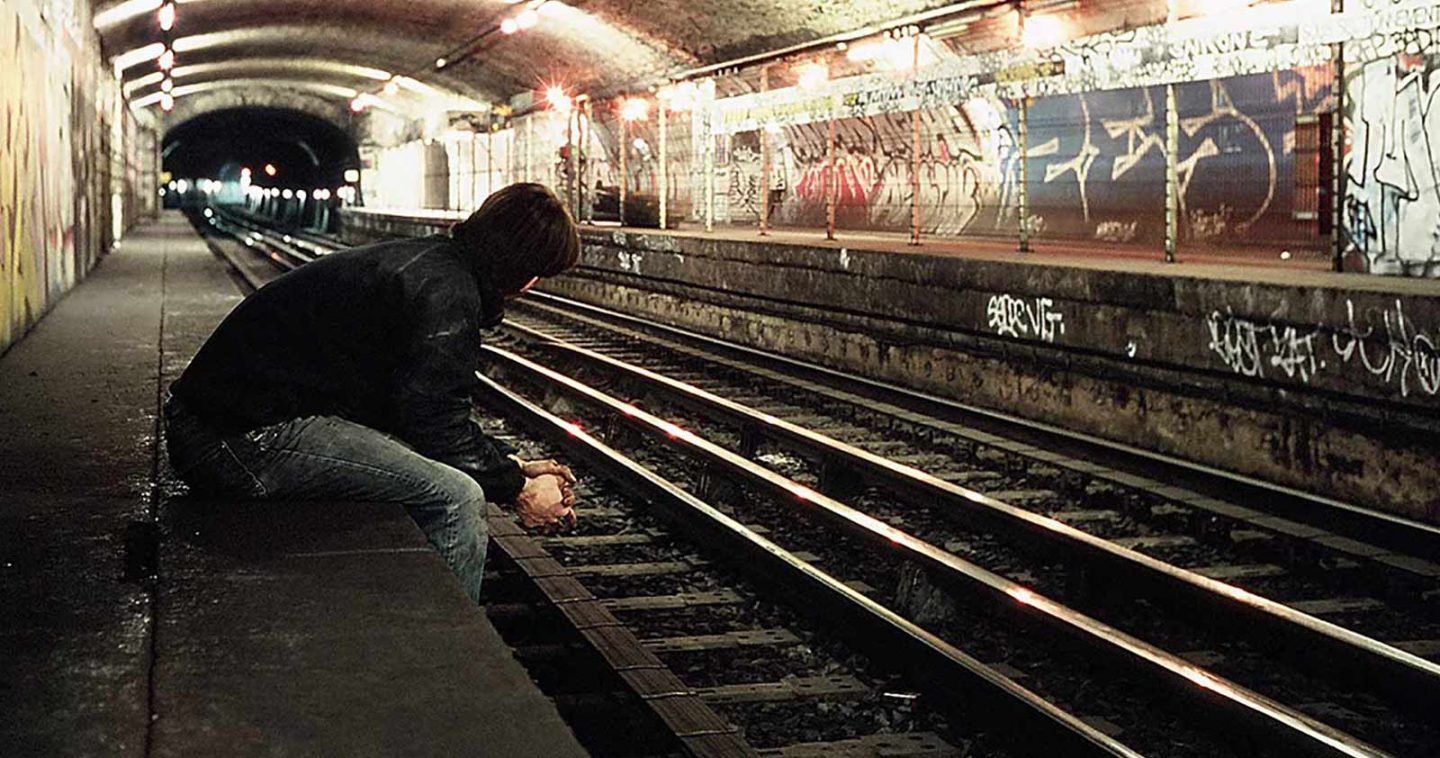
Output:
x=719 y=377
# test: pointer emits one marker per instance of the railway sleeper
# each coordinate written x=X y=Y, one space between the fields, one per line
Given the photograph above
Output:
x=910 y=745
x=789 y=688
x=724 y=641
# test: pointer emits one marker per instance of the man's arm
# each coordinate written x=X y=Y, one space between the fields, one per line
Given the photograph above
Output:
x=433 y=388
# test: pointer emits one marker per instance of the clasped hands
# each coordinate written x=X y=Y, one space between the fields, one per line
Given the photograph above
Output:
x=548 y=497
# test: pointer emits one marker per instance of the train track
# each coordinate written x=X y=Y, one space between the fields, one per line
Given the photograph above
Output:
x=1075 y=577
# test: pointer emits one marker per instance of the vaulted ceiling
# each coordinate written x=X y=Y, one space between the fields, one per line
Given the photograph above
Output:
x=322 y=50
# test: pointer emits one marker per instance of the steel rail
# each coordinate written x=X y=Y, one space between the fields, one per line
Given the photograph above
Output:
x=885 y=633
x=1392 y=531
x=1267 y=720
x=1404 y=678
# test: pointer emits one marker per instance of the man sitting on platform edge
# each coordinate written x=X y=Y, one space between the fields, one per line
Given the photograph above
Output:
x=350 y=378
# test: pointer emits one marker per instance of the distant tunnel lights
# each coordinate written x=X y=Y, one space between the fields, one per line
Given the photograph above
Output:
x=167 y=102
x=166 y=16
x=352 y=175
x=166 y=61
x=270 y=169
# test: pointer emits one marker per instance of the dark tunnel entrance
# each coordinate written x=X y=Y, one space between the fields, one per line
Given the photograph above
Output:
x=297 y=165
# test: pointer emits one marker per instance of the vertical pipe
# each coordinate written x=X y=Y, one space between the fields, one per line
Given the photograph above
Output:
x=1024 y=141
x=489 y=163
x=1172 y=155
x=764 y=161
x=663 y=180
x=529 y=145
x=832 y=187
x=1337 y=155
x=624 y=164
x=915 y=151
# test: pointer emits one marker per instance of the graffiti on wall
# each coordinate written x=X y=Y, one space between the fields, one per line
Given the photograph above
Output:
x=1383 y=343
x=1096 y=164
x=1021 y=317
x=55 y=202
x=1391 y=208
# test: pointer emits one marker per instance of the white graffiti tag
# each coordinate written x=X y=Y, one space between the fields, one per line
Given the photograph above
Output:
x=1393 y=350
x=1247 y=348
x=1384 y=342
x=1011 y=316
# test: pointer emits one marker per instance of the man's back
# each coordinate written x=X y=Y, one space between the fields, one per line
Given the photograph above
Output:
x=332 y=337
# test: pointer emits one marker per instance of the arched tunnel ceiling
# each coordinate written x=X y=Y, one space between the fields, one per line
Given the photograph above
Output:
x=594 y=45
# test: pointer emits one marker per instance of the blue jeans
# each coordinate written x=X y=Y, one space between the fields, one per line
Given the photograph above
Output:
x=329 y=458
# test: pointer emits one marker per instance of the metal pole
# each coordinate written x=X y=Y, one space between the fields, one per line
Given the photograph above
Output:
x=624 y=171
x=1172 y=156
x=831 y=185
x=489 y=163
x=572 y=164
x=1172 y=173
x=664 y=184
x=764 y=161
x=709 y=156
x=915 y=153
x=529 y=144
x=583 y=176
x=1024 y=140
x=1337 y=157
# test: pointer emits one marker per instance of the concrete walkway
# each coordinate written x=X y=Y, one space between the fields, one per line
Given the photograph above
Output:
x=137 y=623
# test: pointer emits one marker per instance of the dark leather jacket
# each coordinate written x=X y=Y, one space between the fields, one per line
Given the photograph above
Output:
x=385 y=335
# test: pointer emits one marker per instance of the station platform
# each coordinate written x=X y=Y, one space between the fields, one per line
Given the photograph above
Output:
x=139 y=621
x=1241 y=264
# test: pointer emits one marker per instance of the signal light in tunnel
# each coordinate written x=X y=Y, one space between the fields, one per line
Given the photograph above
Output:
x=270 y=169
x=167 y=16
x=352 y=175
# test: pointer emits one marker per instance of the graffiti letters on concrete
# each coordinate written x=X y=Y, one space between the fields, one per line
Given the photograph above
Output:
x=1250 y=349
x=1389 y=345
x=1034 y=318
x=1384 y=343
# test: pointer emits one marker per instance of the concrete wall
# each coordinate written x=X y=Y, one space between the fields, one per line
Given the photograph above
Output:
x=76 y=170
x=1329 y=385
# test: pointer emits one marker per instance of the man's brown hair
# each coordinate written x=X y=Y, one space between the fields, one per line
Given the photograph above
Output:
x=520 y=232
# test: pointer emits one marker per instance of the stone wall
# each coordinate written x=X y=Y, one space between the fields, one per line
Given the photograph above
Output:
x=1329 y=387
